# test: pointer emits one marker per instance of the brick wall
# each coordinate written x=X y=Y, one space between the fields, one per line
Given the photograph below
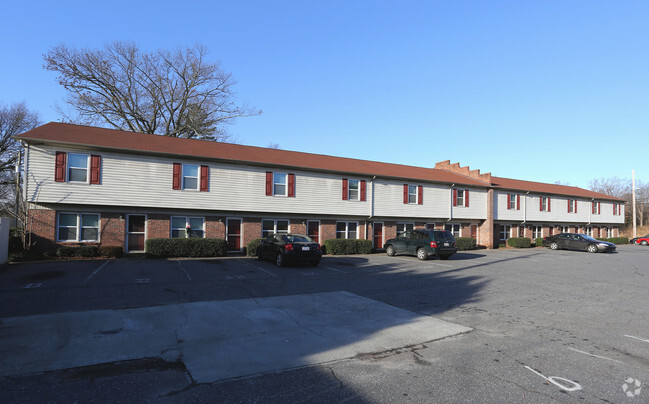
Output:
x=251 y=229
x=112 y=229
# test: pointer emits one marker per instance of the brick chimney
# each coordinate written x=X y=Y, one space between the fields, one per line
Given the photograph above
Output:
x=465 y=171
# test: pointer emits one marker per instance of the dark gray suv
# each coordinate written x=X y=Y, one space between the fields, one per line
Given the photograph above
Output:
x=423 y=244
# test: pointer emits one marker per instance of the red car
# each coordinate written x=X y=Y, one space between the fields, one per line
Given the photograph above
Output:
x=644 y=240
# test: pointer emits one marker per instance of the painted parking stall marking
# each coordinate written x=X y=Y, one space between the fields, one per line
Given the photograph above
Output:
x=637 y=338
x=32 y=285
x=143 y=280
x=559 y=381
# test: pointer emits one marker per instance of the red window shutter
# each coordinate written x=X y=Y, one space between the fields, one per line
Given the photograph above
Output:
x=575 y=206
x=518 y=202
x=363 y=190
x=345 y=189
x=466 y=198
x=549 y=206
x=176 y=176
x=509 y=198
x=291 y=185
x=205 y=178
x=455 y=197
x=599 y=207
x=420 y=194
x=540 y=203
x=269 y=183
x=405 y=193
x=95 y=169
x=59 y=170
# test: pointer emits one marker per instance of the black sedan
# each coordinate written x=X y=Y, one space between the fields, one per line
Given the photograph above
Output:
x=285 y=248
x=575 y=241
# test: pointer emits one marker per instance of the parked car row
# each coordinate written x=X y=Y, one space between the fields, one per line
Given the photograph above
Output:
x=577 y=241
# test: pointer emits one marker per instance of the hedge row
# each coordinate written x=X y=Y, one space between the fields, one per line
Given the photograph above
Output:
x=616 y=240
x=519 y=242
x=465 y=243
x=538 y=242
x=90 y=251
x=340 y=246
x=251 y=247
x=186 y=247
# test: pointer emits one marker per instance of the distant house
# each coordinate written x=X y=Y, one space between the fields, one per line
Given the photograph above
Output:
x=96 y=186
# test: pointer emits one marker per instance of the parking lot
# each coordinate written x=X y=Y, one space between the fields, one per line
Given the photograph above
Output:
x=546 y=326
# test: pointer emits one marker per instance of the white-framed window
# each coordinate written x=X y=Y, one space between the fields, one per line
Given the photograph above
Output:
x=187 y=227
x=511 y=203
x=537 y=231
x=454 y=228
x=596 y=208
x=272 y=226
x=412 y=194
x=78 y=227
x=78 y=167
x=589 y=230
x=459 y=200
x=505 y=231
x=354 y=193
x=545 y=204
x=190 y=176
x=404 y=227
x=280 y=184
x=563 y=229
x=617 y=209
x=347 y=230
x=571 y=206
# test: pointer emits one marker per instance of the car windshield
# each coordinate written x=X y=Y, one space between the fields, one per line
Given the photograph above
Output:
x=291 y=238
x=589 y=238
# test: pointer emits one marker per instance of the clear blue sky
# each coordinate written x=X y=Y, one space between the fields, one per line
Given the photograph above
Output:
x=536 y=90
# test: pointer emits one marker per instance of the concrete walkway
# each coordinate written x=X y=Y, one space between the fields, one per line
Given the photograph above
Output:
x=218 y=340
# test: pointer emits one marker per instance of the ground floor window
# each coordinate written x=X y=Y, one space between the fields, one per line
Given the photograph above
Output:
x=453 y=228
x=537 y=231
x=563 y=229
x=589 y=230
x=505 y=231
x=347 y=230
x=78 y=227
x=404 y=227
x=270 y=226
x=187 y=227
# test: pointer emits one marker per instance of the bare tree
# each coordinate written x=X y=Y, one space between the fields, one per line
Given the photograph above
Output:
x=613 y=186
x=174 y=93
x=14 y=120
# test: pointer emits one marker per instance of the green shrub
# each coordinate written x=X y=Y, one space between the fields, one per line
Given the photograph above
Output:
x=111 y=251
x=186 y=247
x=616 y=240
x=519 y=242
x=538 y=242
x=340 y=246
x=83 y=251
x=502 y=245
x=251 y=247
x=465 y=243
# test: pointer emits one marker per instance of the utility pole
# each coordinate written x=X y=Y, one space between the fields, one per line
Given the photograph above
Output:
x=633 y=192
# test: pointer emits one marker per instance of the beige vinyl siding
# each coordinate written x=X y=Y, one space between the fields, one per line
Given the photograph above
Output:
x=388 y=200
x=477 y=208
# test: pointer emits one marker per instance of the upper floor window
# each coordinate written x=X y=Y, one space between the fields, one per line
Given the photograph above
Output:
x=78 y=227
x=270 y=227
x=595 y=206
x=413 y=194
x=572 y=206
x=280 y=184
x=513 y=201
x=187 y=227
x=354 y=189
x=77 y=168
x=461 y=197
x=190 y=177
x=544 y=204
x=617 y=209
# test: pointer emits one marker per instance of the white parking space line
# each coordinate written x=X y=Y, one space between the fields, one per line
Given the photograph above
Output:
x=258 y=267
x=333 y=269
x=183 y=269
x=595 y=356
x=638 y=338
x=96 y=271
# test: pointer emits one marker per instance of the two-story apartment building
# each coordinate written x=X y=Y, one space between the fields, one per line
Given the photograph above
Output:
x=87 y=185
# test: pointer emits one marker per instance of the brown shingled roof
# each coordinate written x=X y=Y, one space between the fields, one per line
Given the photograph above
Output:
x=542 y=188
x=68 y=134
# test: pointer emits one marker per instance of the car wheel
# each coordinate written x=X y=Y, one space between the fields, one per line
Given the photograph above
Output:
x=389 y=250
x=279 y=260
x=444 y=257
x=644 y=242
x=259 y=255
x=592 y=248
x=554 y=246
x=421 y=254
